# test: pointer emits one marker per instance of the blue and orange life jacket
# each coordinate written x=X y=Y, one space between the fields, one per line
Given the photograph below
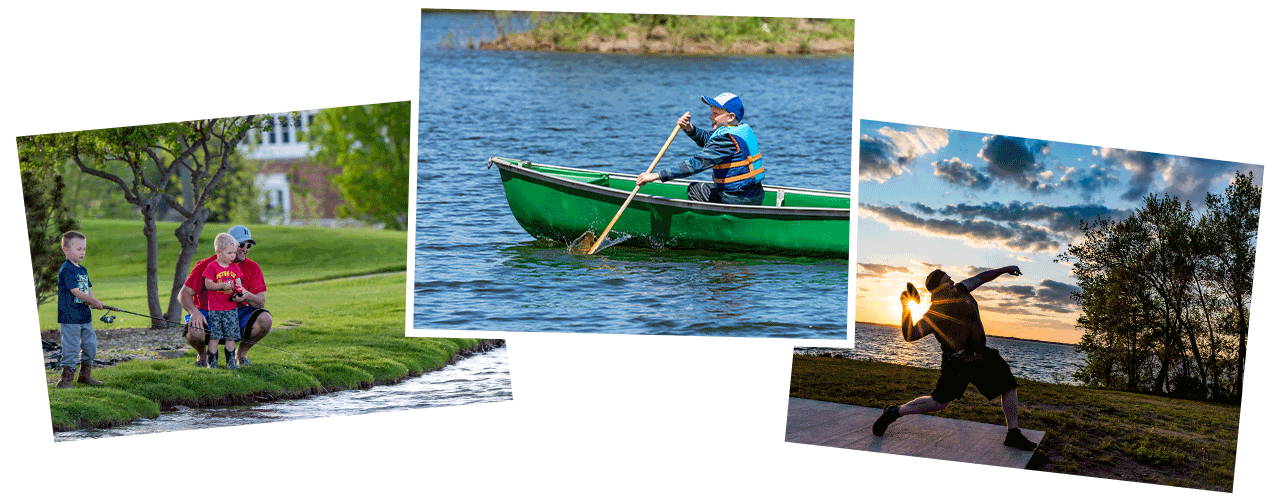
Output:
x=745 y=166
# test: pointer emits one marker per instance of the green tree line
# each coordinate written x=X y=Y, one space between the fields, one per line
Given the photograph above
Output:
x=1165 y=295
x=192 y=171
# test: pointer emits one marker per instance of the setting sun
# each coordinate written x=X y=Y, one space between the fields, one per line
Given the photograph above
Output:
x=917 y=310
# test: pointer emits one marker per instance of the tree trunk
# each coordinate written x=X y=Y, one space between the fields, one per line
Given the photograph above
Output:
x=153 y=259
x=188 y=234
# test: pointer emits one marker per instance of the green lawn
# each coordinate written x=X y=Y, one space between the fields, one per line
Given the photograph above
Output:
x=336 y=327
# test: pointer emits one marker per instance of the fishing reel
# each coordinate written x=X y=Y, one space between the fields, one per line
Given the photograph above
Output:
x=108 y=318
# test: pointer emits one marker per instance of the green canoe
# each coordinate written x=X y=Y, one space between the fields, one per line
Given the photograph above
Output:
x=561 y=203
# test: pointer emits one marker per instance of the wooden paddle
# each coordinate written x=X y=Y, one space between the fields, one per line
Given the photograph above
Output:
x=670 y=138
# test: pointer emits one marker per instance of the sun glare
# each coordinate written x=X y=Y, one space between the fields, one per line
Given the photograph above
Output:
x=917 y=310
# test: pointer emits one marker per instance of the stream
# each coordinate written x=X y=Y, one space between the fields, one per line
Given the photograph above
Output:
x=480 y=378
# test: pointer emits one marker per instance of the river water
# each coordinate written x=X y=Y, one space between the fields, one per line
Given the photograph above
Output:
x=477 y=269
x=480 y=378
x=1045 y=362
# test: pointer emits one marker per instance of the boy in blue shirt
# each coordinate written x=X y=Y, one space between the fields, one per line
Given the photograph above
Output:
x=75 y=298
x=729 y=149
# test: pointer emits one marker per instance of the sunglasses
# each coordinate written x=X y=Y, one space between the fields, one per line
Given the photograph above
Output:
x=246 y=245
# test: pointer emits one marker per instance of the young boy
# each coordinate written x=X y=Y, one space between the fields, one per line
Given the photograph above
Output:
x=222 y=279
x=729 y=149
x=75 y=298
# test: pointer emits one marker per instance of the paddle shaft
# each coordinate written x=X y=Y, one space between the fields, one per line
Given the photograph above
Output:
x=670 y=138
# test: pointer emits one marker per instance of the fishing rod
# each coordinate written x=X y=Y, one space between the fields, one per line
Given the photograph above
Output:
x=108 y=318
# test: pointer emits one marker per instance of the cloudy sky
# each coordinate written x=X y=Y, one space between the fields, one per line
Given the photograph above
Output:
x=967 y=202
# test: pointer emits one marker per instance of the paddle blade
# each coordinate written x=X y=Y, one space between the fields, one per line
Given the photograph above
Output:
x=583 y=244
x=610 y=242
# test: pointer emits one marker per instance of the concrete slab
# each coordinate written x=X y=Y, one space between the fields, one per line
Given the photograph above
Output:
x=847 y=426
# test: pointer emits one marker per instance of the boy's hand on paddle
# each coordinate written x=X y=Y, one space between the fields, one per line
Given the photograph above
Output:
x=684 y=122
x=646 y=178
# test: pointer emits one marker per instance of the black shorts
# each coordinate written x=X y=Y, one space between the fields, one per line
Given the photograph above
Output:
x=752 y=195
x=990 y=374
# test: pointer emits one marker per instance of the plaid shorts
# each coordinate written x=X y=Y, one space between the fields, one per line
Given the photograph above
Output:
x=223 y=325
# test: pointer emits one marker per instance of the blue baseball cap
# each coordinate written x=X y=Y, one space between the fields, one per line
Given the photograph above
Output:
x=730 y=102
x=241 y=233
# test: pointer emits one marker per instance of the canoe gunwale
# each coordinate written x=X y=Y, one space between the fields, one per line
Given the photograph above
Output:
x=764 y=211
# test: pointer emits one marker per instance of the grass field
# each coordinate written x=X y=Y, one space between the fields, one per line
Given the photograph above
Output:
x=338 y=301
x=1089 y=432
x=117 y=257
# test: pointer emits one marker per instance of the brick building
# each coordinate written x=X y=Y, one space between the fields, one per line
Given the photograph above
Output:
x=295 y=190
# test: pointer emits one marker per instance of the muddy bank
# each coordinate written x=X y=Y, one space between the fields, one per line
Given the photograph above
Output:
x=122 y=344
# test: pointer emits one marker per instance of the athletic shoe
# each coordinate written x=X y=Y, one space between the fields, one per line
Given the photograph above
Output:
x=890 y=414
x=1015 y=439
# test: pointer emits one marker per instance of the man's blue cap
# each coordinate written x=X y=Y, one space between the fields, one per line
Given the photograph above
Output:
x=730 y=102
x=241 y=233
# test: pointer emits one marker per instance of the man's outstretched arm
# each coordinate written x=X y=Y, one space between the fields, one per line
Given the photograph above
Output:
x=972 y=283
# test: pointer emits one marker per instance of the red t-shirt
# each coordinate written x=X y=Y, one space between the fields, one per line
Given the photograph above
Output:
x=221 y=299
x=250 y=278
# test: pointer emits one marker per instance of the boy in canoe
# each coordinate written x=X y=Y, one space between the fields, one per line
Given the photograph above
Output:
x=729 y=149
x=953 y=317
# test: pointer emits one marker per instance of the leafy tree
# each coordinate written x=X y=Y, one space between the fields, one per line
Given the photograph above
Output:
x=48 y=217
x=371 y=145
x=175 y=166
x=1165 y=296
x=1232 y=222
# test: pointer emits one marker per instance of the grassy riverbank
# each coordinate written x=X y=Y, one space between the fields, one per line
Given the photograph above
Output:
x=668 y=34
x=337 y=297
x=1089 y=432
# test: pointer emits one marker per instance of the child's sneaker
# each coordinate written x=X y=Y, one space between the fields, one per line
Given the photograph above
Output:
x=1015 y=439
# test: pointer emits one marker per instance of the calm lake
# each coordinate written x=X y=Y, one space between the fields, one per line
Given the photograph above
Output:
x=1045 y=362
x=477 y=269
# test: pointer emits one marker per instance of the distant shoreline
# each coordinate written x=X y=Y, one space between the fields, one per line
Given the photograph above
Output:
x=988 y=335
x=664 y=34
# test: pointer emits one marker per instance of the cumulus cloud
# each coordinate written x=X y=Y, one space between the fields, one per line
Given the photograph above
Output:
x=1013 y=236
x=1063 y=219
x=957 y=172
x=880 y=270
x=1021 y=227
x=1057 y=293
x=1088 y=180
x=1017 y=161
x=1188 y=178
x=882 y=158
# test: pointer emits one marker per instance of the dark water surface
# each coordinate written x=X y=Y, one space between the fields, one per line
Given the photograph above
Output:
x=477 y=269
